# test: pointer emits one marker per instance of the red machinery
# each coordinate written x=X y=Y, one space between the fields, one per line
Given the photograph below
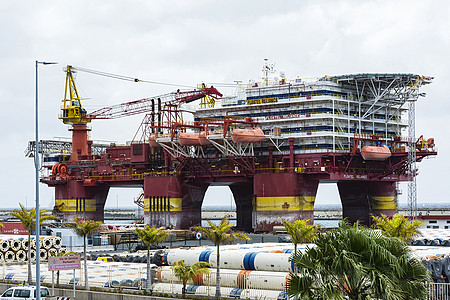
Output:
x=176 y=161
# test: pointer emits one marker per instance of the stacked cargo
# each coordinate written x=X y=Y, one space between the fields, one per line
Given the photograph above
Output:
x=432 y=237
x=246 y=271
x=436 y=259
x=101 y=274
x=14 y=248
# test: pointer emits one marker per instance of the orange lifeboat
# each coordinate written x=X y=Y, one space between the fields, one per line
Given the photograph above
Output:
x=189 y=139
x=152 y=142
x=375 y=152
x=202 y=139
x=253 y=135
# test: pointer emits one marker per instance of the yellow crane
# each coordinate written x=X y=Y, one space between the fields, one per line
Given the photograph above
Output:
x=72 y=112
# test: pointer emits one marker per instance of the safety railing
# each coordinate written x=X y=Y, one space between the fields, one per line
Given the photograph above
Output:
x=439 y=291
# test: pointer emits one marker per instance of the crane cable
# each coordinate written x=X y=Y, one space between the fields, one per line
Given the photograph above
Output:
x=127 y=78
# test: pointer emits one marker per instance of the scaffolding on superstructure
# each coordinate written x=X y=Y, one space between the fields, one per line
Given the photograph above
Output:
x=395 y=90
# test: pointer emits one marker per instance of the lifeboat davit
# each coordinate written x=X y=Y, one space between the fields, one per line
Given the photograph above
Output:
x=189 y=139
x=375 y=152
x=152 y=142
x=253 y=135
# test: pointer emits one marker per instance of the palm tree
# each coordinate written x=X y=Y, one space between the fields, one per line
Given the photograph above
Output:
x=358 y=263
x=184 y=273
x=220 y=234
x=28 y=219
x=151 y=236
x=301 y=231
x=398 y=226
x=85 y=228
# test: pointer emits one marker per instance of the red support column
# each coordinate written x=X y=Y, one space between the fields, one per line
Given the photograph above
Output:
x=287 y=195
x=73 y=199
x=363 y=199
x=243 y=196
x=183 y=202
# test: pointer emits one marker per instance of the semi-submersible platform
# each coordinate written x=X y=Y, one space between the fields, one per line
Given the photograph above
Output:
x=271 y=143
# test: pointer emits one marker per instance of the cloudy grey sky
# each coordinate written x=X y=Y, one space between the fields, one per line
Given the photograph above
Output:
x=189 y=42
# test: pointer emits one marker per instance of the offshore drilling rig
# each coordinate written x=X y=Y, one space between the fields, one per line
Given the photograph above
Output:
x=272 y=143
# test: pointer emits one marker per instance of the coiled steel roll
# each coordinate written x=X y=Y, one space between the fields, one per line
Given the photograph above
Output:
x=9 y=256
x=4 y=245
x=57 y=242
x=21 y=255
x=43 y=254
x=33 y=255
x=15 y=244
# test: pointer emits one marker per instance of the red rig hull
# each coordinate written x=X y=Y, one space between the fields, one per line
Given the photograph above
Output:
x=265 y=187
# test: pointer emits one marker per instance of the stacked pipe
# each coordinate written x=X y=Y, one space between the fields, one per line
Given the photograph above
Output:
x=273 y=258
x=135 y=257
x=236 y=293
x=233 y=278
x=14 y=248
x=234 y=282
x=432 y=237
x=101 y=274
x=247 y=271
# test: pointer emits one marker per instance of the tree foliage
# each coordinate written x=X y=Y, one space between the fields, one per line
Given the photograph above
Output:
x=28 y=217
x=28 y=220
x=151 y=236
x=301 y=231
x=185 y=273
x=85 y=228
x=399 y=226
x=352 y=263
x=220 y=234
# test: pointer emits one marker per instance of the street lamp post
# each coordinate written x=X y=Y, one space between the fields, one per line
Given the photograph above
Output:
x=36 y=167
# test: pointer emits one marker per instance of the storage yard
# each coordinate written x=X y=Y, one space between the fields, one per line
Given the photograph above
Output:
x=248 y=271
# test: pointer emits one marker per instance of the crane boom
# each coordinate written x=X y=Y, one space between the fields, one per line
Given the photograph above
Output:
x=147 y=104
x=73 y=112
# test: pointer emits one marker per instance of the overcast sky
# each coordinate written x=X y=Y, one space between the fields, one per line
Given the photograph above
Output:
x=189 y=42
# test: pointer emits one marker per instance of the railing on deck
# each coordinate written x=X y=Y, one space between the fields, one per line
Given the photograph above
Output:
x=439 y=291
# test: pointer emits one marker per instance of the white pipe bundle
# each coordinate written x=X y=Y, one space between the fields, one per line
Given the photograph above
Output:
x=9 y=256
x=243 y=259
x=1 y=256
x=21 y=255
x=225 y=292
x=231 y=278
x=62 y=250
